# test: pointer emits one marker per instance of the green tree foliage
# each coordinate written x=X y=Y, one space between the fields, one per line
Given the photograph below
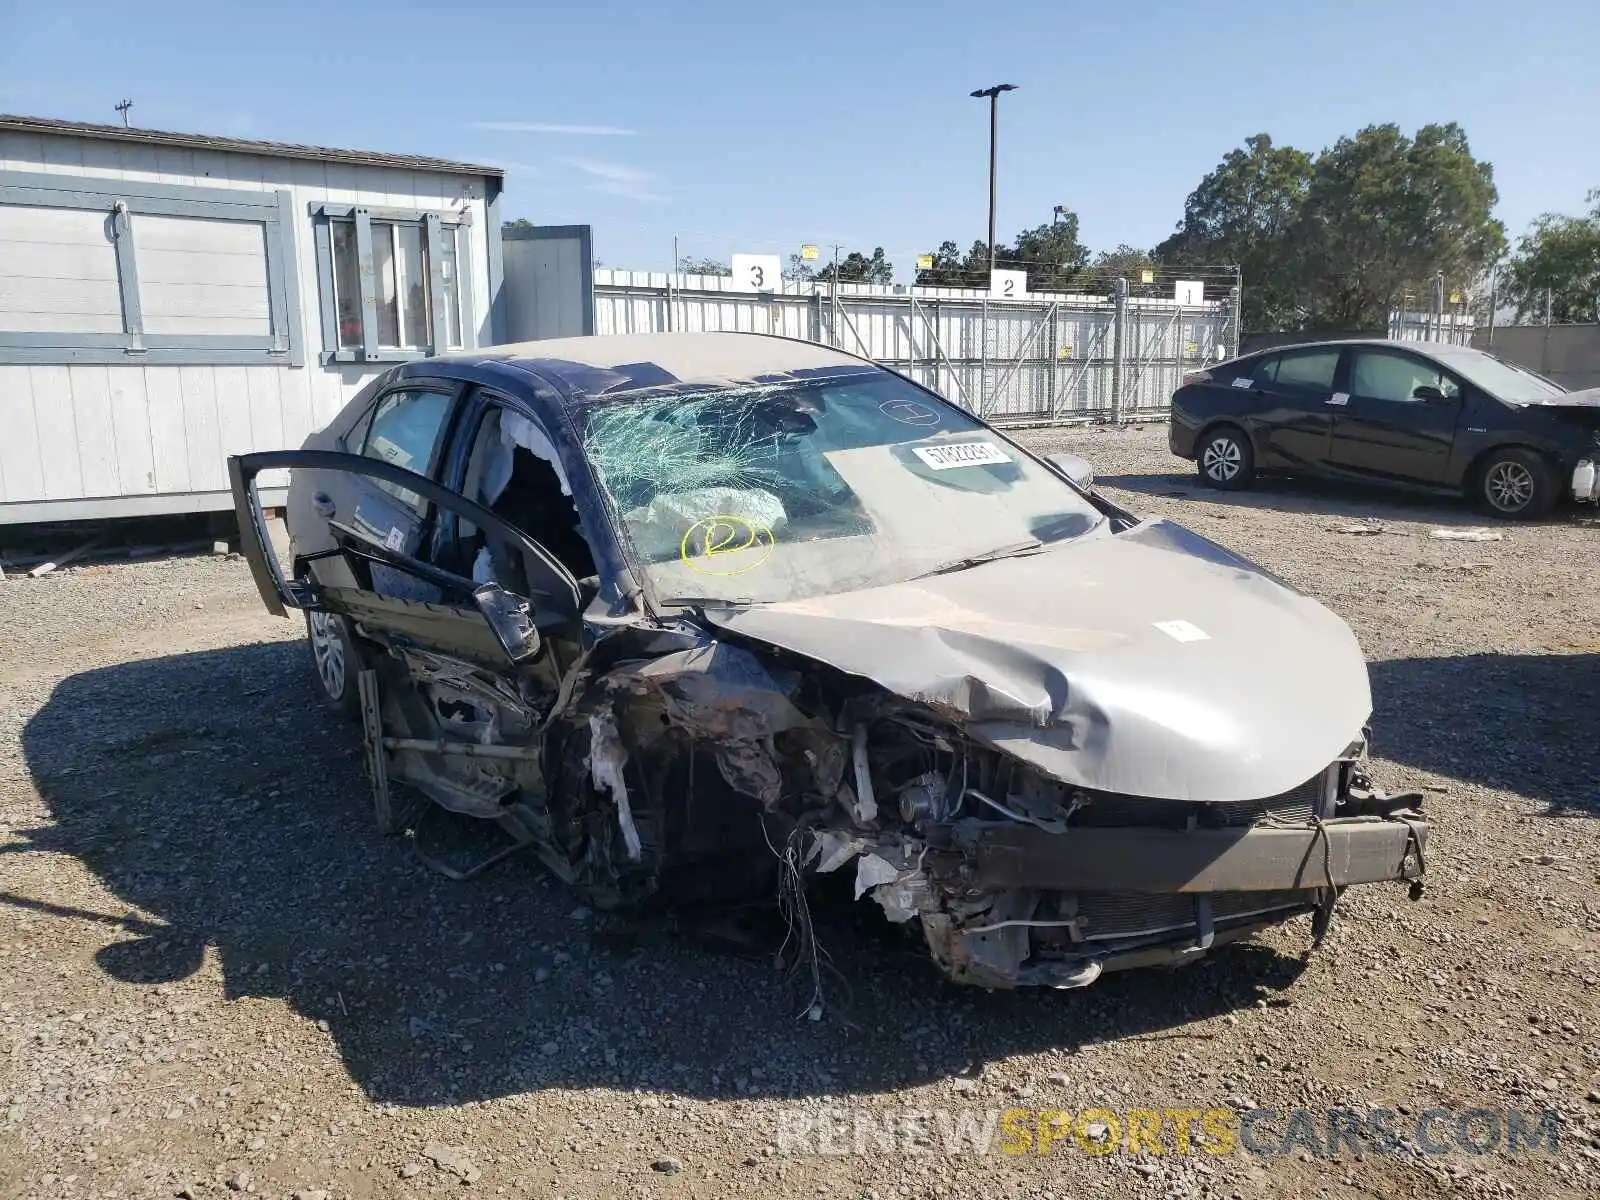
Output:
x=1337 y=241
x=690 y=265
x=1384 y=215
x=953 y=269
x=1052 y=255
x=1242 y=214
x=1558 y=258
x=856 y=267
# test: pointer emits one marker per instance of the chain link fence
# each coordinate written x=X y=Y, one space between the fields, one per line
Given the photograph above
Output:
x=1039 y=360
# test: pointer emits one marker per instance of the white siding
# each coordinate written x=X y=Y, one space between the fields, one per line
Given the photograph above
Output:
x=58 y=271
x=202 y=276
x=99 y=432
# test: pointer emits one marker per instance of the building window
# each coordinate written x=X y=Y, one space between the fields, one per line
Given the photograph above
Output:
x=391 y=282
x=110 y=271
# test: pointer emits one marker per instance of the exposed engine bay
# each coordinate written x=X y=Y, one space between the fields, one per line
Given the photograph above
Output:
x=704 y=774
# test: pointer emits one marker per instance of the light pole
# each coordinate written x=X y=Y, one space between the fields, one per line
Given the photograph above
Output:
x=993 y=95
x=1060 y=211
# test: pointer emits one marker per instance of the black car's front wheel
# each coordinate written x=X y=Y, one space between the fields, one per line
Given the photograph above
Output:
x=1226 y=460
x=1515 y=484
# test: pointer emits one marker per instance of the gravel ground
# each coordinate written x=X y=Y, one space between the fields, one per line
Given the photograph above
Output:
x=217 y=977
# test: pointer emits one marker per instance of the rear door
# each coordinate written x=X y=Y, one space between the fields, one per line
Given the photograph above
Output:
x=1293 y=392
x=406 y=425
x=1386 y=429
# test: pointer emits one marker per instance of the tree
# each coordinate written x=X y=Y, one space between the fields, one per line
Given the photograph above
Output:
x=1557 y=262
x=1125 y=262
x=1384 y=216
x=1051 y=254
x=1337 y=241
x=799 y=268
x=1242 y=214
x=856 y=267
x=690 y=265
x=953 y=269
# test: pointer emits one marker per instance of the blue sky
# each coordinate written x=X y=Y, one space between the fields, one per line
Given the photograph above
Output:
x=758 y=126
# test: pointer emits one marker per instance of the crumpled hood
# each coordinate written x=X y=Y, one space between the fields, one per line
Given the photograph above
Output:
x=1150 y=663
x=1587 y=398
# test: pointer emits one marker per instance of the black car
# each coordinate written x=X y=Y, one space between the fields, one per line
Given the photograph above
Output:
x=693 y=616
x=1420 y=415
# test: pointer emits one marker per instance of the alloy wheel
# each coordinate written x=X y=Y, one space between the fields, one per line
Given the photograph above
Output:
x=1222 y=459
x=327 y=648
x=1509 y=486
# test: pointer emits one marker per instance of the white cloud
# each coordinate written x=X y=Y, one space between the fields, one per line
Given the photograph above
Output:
x=618 y=179
x=549 y=127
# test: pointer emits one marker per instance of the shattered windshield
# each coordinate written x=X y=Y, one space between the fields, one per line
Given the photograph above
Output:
x=758 y=492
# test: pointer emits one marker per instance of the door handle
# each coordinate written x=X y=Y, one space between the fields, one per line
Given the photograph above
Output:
x=322 y=504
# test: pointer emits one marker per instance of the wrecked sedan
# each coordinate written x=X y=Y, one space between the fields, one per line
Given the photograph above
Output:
x=693 y=616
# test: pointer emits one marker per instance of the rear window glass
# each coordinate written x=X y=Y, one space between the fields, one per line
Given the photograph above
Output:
x=1313 y=369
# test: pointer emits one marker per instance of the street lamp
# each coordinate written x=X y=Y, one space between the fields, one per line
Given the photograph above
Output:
x=993 y=95
x=1061 y=210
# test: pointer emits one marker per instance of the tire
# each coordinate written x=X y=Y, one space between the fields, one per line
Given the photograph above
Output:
x=1514 y=484
x=1225 y=460
x=335 y=662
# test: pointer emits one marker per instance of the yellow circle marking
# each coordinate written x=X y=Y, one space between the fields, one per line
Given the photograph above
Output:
x=712 y=538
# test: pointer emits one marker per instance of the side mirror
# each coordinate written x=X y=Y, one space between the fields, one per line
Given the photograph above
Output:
x=511 y=619
x=1074 y=466
x=1429 y=393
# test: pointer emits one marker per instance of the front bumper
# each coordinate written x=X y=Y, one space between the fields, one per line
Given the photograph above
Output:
x=1264 y=858
x=1141 y=896
x=1585 y=483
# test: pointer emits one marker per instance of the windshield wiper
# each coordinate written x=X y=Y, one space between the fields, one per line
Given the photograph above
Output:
x=1016 y=549
x=704 y=602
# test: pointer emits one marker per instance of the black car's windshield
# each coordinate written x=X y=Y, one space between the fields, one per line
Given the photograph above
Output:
x=1503 y=380
x=754 y=492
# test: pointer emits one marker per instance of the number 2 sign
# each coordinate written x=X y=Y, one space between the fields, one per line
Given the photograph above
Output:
x=756 y=272
x=1008 y=285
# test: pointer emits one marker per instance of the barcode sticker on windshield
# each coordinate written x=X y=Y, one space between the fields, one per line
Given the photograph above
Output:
x=961 y=454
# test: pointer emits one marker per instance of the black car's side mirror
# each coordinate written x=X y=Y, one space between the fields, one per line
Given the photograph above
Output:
x=1429 y=393
x=511 y=618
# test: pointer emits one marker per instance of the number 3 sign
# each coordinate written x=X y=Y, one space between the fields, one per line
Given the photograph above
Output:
x=756 y=272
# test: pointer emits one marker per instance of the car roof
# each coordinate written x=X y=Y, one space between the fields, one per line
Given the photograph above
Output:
x=1440 y=351
x=620 y=362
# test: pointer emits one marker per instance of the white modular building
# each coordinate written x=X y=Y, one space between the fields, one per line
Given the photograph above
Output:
x=169 y=299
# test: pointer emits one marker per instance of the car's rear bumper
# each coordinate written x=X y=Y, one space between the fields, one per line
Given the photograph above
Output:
x=1180 y=434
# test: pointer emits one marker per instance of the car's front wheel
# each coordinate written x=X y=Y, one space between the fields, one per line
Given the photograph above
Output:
x=337 y=661
x=1515 y=484
x=1226 y=460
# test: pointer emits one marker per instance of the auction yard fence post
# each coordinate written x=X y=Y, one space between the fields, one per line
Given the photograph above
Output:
x=1046 y=358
